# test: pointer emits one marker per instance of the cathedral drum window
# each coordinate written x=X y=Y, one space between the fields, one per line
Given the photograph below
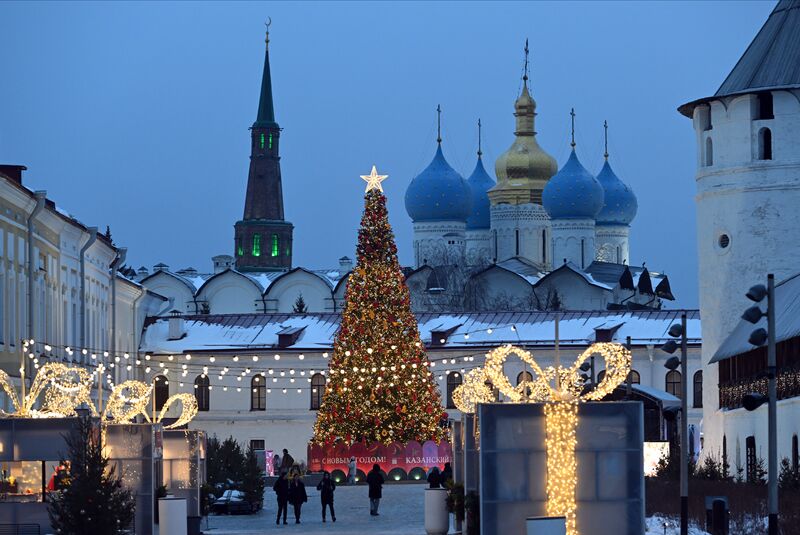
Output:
x=256 y=244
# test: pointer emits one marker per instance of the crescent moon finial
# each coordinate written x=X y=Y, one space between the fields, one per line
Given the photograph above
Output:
x=268 y=23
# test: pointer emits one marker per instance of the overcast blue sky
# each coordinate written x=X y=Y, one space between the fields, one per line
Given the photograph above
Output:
x=136 y=115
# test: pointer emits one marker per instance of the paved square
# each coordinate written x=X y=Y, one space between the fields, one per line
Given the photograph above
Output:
x=401 y=513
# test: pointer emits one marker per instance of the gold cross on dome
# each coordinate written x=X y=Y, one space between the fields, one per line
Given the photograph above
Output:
x=374 y=180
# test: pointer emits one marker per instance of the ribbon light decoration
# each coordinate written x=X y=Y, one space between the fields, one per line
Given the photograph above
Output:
x=561 y=389
x=67 y=388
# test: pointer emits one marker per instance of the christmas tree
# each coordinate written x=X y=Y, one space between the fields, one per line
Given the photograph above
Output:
x=91 y=498
x=253 y=483
x=380 y=387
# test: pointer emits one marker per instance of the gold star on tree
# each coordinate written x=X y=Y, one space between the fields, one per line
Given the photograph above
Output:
x=374 y=180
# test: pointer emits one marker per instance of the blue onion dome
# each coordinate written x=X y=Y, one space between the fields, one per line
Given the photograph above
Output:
x=479 y=182
x=620 y=205
x=573 y=193
x=438 y=193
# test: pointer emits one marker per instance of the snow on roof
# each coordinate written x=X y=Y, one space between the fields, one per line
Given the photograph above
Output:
x=667 y=399
x=197 y=280
x=787 y=321
x=231 y=332
x=580 y=272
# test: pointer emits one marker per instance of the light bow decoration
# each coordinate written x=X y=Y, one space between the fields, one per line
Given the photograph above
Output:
x=131 y=398
x=561 y=389
x=471 y=391
x=63 y=389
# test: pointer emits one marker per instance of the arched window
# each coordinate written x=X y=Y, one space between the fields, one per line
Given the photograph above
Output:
x=317 y=390
x=697 y=398
x=258 y=393
x=764 y=144
x=202 y=393
x=524 y=376
x=161 y=387
x=673 y=383
x=709 y=152
x=453 y=380
x=634 y=377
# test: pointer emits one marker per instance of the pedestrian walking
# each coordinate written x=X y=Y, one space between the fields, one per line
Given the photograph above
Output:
x=326 y=488
x=434 y=479
x=447 y=474
x=297 y=495
x=351 y=471
x=375 y=482
x=287 y=462
x=281 y=488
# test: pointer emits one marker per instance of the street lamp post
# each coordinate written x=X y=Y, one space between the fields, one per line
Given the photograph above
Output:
x=754 y=400
x=670 y=346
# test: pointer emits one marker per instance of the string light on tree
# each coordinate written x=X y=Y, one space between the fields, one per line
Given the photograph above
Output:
x=378 y=330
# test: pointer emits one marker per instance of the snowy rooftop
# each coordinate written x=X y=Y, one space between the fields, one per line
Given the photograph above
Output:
x=787 y=321
x=231 y=332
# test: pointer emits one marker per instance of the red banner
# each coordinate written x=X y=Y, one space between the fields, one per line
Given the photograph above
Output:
x=396 y=459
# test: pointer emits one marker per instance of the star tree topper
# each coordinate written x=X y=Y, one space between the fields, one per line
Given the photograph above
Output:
x=374 y=180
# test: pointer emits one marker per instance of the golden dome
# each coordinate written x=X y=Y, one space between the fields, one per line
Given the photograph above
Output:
x=524 y=169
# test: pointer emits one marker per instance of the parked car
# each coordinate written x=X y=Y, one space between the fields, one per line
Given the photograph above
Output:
x=232 y=502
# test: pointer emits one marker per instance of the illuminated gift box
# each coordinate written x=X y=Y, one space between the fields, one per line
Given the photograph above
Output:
x=609 y=492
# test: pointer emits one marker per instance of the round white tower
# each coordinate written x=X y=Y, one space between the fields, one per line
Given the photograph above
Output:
x=748 y=191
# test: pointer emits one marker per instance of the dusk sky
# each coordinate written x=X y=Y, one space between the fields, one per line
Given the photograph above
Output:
x=136 y=115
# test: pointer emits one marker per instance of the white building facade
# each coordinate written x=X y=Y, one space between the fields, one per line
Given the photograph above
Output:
x=56 y=288
x=260 y=377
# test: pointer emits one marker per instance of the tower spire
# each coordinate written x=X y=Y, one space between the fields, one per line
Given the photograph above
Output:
x=480 y=153
x=572 y=115
x=605 y=136
x=439 y=124
x=525 y=72
x=263 y=238
x=266 y=111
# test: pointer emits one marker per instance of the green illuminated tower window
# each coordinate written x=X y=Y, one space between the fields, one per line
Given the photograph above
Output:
x=261 y=142
x=256 y=244
x=275 y=250
x=270 y=141
x=239 y=248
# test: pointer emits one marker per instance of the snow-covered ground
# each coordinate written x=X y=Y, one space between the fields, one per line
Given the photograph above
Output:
x=657 y=525
x=401 y=513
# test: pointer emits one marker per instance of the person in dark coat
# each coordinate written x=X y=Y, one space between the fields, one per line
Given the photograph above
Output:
x=375 y=482
x=297 y=496
x=447 y=474
x=281 y=488
x=434 y=478
x=287 y=462
x=326 y=488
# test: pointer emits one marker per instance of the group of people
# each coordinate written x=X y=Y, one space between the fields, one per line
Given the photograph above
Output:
x=438 y=478
x=290 y=489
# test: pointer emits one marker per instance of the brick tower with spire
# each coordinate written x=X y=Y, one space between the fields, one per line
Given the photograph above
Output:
x=263 y=239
